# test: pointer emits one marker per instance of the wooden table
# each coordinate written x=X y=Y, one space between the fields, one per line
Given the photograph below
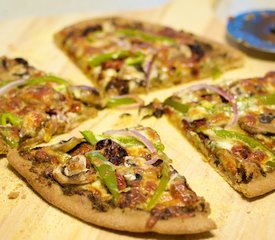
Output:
x=27 y=216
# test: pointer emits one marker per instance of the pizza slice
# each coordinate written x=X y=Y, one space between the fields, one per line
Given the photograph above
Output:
x=233 y=126
x=120 y=179
x=124 y=56
x=34 y=106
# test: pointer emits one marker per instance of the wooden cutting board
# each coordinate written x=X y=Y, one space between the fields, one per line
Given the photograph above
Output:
x=24 y=215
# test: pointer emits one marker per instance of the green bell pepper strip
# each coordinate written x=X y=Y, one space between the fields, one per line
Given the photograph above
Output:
x=104 y=57
x=164 y=180
x=137 y=58
x=216 y=73
x=268 y=99
x=11 y=118
x=180 y=107
x=89 y=136
x=106 y=172
x=246 y=139
x=125 y=140
x=270 y=163
x=3 y=83
x=9 y=138
x=146 y=36
x=48 y=78
x=115 y=102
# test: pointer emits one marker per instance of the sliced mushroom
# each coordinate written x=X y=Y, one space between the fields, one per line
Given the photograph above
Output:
x=66 y=146
x=74 y=172
x=86 y=94
x=254 y=123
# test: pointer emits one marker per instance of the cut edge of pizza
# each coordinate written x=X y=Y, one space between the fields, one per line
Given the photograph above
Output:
x=36 y=105
x=233 y=127
x=123 y=56
x=120 y=180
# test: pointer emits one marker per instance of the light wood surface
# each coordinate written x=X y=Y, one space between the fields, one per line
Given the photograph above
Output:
x=29 y=217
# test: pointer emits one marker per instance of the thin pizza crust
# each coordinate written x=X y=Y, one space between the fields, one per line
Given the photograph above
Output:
x=258 y=186
x=117 y=219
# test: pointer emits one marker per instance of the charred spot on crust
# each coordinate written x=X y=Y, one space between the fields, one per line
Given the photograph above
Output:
x=171 y=211
x=198 y=123
x=197 y=51
x=90 y=29
x=195 y=72
x=121 y=86
x=70 y=191
x=131 y=198
x=49 y=172
x=5 y=63
x=168 y=32
x=22 y=61
x=67 y=37
x=112 y=151
x=242 y=172
x=97 y=203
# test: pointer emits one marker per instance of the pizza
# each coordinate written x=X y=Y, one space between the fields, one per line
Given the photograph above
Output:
x=123 y=56
x=36 y=106
x=233 y=126
x=120 y=179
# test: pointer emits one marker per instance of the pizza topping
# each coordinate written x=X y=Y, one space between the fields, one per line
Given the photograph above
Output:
x=223 y=94
x=76 y=165
x=154 y=108
x=180 y=107
x=268 y=99
x=45 y=79
x=91 y=29
x=266 y=118
x=66 y=146
x=125 y=102
x=119 y=86
x=106 y=172
x=81 y=177
x=112 y=151
x=10 y=118
x=135 y=134
x=11 y=85
x=87 y=94
x=165 y=177
x=10 y=135
x=197 y=52
x=251 y=124
x=149 y=70
x=103 y=57
x=251 y=142
x=145 y=36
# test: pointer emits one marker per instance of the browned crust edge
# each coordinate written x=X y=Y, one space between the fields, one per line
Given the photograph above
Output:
x=258 y=186
x=117 y=219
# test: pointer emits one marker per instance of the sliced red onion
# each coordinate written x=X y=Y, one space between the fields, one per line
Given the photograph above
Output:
x=136 y=134
x=144 y=140
x=152 y=160
x=11 y=85
x=141 y=138
x=219 y=91
x=148 y=70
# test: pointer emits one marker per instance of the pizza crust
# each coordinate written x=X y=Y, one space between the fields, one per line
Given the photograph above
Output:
x=117 y=219
x=258 y=186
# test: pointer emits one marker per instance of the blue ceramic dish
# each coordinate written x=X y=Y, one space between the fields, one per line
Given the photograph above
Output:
x=254 y=29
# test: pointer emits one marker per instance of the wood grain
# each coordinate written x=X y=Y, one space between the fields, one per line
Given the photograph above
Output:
x=29 y=217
